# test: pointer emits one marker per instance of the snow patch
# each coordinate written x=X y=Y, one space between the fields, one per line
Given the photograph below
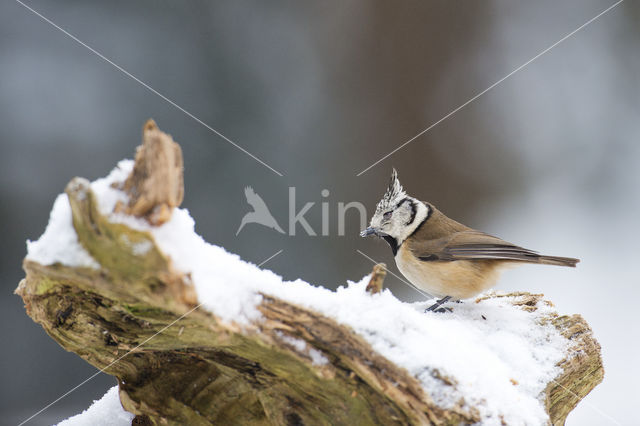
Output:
x=59 y=242
x=317 y=358
x=137 y=249
x=107 y=411
x=299 y=344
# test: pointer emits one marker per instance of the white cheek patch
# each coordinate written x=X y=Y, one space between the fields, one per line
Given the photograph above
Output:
x=404 y=231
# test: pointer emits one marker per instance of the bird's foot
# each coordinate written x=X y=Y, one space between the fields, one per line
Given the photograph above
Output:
x=436 y=306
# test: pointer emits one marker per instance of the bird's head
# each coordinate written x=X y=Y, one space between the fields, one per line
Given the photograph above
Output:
x=397 y=215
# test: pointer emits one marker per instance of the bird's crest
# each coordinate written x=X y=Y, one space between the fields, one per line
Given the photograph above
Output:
x=394 y=193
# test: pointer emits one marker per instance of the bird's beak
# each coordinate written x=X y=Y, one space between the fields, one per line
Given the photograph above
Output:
x=369 y=231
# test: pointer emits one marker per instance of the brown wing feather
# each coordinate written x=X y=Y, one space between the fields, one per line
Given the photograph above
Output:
x=475 y=245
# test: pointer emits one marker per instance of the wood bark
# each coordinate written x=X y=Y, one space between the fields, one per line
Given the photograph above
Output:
x=138 y=319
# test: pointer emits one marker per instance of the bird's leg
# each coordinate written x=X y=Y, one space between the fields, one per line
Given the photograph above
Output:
x=435 y=306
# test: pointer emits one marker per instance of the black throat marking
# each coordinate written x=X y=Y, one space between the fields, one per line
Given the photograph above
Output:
x=393 y=243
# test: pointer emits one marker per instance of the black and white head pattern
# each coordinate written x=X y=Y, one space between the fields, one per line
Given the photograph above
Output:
x=397 y=214
x=395 y=193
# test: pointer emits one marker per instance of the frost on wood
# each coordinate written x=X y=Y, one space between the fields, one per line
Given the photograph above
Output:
x=107 y=278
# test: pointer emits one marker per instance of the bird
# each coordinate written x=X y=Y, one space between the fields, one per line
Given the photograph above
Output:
x=440 y=256
x=260 y=213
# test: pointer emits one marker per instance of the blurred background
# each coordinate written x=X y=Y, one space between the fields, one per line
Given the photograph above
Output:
x=320 y=91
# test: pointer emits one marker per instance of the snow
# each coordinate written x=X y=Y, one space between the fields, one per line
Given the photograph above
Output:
x=484 y=357
x=317 y=358
x=59 y=243
x=107 y=411
x=501 y=364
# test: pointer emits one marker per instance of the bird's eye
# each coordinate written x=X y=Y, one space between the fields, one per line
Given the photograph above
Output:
x=387 y=215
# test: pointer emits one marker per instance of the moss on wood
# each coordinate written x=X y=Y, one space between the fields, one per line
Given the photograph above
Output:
x=129 y=319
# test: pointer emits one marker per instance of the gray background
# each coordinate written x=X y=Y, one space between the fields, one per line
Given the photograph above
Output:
x=548 y=159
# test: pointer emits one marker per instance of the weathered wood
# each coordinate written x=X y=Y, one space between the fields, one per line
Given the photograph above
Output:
x=176 y=363
x=377 y=278
x=582 y=368
x=156 y=185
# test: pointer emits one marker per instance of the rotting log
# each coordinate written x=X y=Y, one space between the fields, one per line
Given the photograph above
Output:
x=201 y=371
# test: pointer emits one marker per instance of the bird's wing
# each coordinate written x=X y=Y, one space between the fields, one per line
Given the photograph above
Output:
x=262 y=214
x=254 y=199
x=471 y=245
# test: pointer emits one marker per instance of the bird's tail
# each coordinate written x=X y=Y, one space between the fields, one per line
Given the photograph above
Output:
x=557 y=260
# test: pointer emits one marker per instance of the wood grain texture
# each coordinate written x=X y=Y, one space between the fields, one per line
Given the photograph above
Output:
x=202 y=371
x=156 y=185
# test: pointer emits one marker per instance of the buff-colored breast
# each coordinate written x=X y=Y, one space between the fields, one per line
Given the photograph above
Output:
x=459 y=279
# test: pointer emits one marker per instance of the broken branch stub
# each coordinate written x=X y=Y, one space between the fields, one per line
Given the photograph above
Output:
x=156 y=185
x=377 y=278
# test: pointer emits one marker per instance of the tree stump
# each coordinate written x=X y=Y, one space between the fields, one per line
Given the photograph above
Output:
x=138 y=319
